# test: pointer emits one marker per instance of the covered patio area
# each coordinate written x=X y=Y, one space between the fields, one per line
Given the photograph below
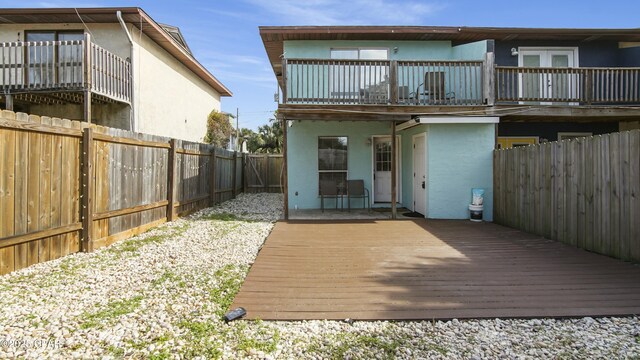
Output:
x=435 y=269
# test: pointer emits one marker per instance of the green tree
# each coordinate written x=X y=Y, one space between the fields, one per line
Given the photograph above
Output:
x=244 y=137
x=219 y=129
x=268 y=139
x=271 y=135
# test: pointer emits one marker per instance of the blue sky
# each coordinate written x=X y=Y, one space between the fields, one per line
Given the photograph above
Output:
x=223 y=34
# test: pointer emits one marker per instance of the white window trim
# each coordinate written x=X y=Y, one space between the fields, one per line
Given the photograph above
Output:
x=398 y=169
x=358 y=49
x=576 y=59
x=573 y=134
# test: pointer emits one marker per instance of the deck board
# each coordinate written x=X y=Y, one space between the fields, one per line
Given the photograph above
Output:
x=416 y=269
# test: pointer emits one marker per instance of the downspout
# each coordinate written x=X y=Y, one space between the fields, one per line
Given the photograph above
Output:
x=132 y=118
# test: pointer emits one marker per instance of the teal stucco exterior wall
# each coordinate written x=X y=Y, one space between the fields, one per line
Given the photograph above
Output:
x=302 y=156
x=459 y=158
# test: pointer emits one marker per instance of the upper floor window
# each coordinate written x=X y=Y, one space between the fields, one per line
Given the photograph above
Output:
x=59 y=61
x=360 y=54
x=366 y=82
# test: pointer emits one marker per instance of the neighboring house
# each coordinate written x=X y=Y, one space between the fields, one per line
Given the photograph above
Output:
x=449 y=94
x=115 y=67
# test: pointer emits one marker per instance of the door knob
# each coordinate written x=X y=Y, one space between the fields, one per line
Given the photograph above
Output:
x=423 y=184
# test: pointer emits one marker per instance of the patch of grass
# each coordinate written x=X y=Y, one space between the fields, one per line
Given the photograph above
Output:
x=162 y=355
x=437 y=348
x=222 y=217
x=112 y=311
x=229 y=280
x=70 y=266
x=115 y=351
x=364 y=345
x=265 y=339
x=135 y=243
x=170 y=276
x=199 y=339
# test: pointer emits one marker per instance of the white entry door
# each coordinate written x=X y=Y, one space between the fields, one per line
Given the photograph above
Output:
x=548 y=85
x=420 y=174
x=382 y=169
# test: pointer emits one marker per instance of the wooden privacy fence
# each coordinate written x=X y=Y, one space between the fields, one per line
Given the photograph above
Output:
x=584 y=192
x=263 y=173
x=67 y=186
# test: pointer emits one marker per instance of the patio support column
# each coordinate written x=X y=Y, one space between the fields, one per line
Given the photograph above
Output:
x=285 y=170
x=394 y=170
x=8 y=102
x=87 y=77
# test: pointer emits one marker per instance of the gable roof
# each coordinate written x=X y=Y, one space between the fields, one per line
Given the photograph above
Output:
x=274 y=37
x=176 y=34
x=133 y=15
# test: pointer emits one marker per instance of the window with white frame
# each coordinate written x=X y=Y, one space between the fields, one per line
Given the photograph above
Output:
x=60 y=63
x=332 y=159
x=365 y=80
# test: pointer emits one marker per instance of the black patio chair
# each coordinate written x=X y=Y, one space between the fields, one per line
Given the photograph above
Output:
x=356 y=189
x=329 y=189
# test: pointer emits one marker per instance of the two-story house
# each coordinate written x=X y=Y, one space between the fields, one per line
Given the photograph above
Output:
x=416 y=112
x=115 y=67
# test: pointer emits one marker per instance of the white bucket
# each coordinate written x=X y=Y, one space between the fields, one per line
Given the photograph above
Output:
x=475 y=213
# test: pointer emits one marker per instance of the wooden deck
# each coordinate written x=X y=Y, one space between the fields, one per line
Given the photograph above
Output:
x=416 y=269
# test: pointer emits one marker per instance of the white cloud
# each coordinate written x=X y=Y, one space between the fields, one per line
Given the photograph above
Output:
x=354 y=12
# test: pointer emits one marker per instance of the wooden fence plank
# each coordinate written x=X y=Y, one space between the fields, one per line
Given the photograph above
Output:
x=44 y=218
x=605 y=155
x=66 y=187
x=625 y=177
x=171 y=181
x=589 y=170
x=634 y=191
x=33 y=190
x=7 y=218
x=56 y=178
x=20 y=161
x=614 y=195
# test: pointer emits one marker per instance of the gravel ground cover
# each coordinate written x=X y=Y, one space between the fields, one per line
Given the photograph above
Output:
x=161 y=295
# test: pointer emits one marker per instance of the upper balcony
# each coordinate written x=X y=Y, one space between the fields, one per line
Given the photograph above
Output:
x=439 y=84
x=56 y=71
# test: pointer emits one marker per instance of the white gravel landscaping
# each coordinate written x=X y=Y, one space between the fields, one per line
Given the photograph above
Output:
x=162 y=295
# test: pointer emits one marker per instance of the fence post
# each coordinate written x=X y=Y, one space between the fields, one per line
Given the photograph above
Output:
x=171 y=180
x=266 y=173
x=234 y=174
x=87 y=190
x=244 y=173
x=212 y=183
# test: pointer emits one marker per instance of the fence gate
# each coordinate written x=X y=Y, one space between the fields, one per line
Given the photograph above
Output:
x=263 y=173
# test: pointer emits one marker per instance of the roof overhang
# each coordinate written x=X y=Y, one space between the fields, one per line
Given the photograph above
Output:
x=274 y=37
x=133 y=15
